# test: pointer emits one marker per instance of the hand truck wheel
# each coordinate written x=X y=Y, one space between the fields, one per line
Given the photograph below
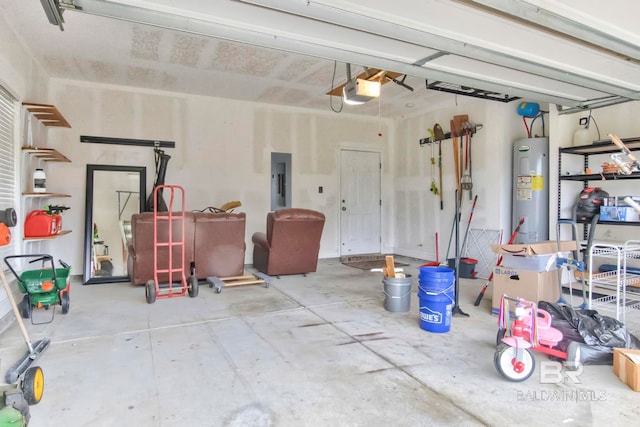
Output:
x=150 y=291
x=193 y=286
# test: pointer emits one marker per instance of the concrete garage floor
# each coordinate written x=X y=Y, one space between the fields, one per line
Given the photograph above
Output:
x=307 y=351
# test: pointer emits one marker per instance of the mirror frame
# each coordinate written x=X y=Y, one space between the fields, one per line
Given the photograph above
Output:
x=88 y=222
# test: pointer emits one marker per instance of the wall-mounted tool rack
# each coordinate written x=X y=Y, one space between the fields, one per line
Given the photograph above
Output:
x=449 y=135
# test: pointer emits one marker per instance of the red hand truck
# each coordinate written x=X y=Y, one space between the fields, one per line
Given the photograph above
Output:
x=169 y=225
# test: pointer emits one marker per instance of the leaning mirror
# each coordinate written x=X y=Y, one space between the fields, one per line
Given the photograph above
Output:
x=113 y=194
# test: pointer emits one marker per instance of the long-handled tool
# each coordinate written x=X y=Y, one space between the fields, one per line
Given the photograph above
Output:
x=456 y=310
x=439 y=136
x=466 y=182
x=35 y=350
x=466 y=232
x=486 y=285
x=434 y=186
x=456 y=161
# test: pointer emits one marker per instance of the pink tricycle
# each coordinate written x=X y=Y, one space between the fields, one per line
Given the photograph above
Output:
x=530 y=330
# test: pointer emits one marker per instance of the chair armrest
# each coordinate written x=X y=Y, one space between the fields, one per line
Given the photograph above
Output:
x=260 y=239
x=130 y=249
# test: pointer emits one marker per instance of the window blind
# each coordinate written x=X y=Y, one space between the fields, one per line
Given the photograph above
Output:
x=7 y=163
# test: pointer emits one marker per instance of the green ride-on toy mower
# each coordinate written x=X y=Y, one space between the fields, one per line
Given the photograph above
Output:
x=43 y=288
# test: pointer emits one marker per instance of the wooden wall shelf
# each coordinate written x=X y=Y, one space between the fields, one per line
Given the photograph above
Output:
x=55 y=236
x=46 y=154
x=51 y=195
x=47 y=114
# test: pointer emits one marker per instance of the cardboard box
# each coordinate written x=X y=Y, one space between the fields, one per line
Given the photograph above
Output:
x=545 y=262
x=531 y=285
x=626 y=366
x=539 y=256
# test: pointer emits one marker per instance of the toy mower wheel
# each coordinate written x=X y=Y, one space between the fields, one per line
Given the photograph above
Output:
x=33 y=385
x=150 y=291
x=193 y=286
x=510 y=368
x=25 y=307
x=64 y=301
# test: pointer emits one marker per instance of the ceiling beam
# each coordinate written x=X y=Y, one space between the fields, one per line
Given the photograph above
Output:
x=341 y=48
x=561 y=17
x=361 y=19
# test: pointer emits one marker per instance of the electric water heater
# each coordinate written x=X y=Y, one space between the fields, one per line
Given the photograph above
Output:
x=531 y=189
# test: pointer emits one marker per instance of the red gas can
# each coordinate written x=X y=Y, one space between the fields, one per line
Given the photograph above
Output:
x=41 y=224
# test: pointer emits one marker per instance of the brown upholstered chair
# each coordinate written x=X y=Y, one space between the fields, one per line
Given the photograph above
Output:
x=219 y=244
x=140 y=261
x=291 y=243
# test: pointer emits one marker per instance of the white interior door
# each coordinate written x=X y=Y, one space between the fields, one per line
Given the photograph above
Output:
x=359 y=202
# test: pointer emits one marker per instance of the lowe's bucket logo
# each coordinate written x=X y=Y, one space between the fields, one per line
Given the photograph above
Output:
x=430 y=316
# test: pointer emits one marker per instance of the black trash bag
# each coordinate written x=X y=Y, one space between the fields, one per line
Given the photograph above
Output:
x=598 y=335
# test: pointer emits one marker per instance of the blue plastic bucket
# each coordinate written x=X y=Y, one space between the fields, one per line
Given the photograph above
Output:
x=436 y=293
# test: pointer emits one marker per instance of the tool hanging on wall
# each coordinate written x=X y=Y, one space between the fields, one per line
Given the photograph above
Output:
x=434 y=186
x=161 y=161
x=456 y=161
x=438 y=137
x=440 y=173
x=457 y=126
x=466 y=181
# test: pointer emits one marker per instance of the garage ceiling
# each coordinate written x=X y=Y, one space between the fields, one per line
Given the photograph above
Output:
x=573 y=53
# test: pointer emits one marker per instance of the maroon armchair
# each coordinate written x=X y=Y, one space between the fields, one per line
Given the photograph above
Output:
x=214 y=241
x=219 y=244
x=140 y=259
x=291 y=243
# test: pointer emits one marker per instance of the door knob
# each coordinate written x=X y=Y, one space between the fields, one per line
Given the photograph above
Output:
x=344 y=208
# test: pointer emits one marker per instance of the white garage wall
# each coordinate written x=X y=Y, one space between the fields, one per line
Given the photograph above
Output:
x=418 y=215
x=23 y=78
x=223 y=152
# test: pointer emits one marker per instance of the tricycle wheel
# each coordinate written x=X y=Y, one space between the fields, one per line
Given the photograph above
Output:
x=150 y=291
x=33 y=385
x=64 y=301
x=194 y=286
x=500 y=335
x=514 y=364
x=25 y=307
